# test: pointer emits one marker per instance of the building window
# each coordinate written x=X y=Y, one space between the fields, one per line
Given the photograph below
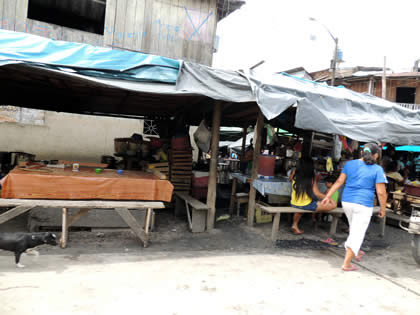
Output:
x=84 y=15
x=406 y=95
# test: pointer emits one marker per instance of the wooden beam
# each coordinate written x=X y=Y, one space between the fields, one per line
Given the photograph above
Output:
x=80 y=204
x=133 y=224
x=211 y=194
x=8 y=215
x=64 y=229
x=244 y=130
x=257 y=148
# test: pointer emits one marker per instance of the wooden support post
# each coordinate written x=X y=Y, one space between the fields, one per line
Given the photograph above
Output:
x=334 y=223
x=64 y=227
x=211 y=194
x=10 y=214
x=134 y=225
x=243 y=142
x=276 y=225
x=232 y=197
x=147 y=220
x=257 y=148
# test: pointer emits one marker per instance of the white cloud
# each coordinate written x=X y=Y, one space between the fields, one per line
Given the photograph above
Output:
x=280 y=32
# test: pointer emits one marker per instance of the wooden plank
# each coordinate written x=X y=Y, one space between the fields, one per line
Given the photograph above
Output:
x=133 y=224
x=139 y=27
x=93 y=39
x=21 y=15
x=207 y=58
x=71 y=35
x=172 y=30
x=165 y=164
x=64 y=228
x=180 y=22
x=47 y=30
x=147 y=221
x=164 y=29
x=212 y=187
x=147 y=22
x=232 y=196
x=1 y=13
x=196 y=204
x=257 y=148
x=198 y=220
x=187 y=208
x=334 y=223
x=9 y=15
x=157 y=173
x=129 y=28
x=275 y=228
x=274 y=210
x=10 y=214
x=119 y=34
x=201 y=46
x=155 y=27
x=100 y=204
x=110 y=12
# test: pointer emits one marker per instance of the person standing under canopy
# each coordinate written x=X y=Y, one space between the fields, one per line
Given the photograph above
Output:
x=362 y=178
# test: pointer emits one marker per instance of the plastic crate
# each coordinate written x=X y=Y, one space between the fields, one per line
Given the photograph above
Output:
x=262 y=217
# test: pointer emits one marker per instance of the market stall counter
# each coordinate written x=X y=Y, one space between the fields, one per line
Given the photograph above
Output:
x=49 y=183
x=25 y=189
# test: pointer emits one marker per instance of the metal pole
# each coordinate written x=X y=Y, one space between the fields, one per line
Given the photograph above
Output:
x=384 y=80
x=334 y=65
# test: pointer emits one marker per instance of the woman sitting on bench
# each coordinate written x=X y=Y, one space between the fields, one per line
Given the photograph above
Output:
x=305 y=192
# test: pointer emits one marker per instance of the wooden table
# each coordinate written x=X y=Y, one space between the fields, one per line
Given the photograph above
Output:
x=86 y=184
x=21 y=206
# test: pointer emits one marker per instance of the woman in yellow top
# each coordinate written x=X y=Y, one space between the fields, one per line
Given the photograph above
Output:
x=305 y=192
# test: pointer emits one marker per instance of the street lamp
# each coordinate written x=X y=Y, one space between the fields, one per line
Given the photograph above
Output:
x=334 y=61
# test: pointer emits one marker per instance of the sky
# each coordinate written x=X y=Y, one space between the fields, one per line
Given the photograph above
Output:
x=280 y=32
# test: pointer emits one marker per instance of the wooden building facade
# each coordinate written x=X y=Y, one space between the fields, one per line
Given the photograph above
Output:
x=402 y=88
x=179 y=29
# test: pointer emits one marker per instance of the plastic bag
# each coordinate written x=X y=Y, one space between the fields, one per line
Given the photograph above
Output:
x=202 y=137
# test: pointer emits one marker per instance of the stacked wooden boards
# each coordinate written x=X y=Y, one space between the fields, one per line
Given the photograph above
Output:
x=181 y=170
x=162 y=167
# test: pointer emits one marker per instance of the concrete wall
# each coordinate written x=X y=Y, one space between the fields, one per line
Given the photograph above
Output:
x=68 y=136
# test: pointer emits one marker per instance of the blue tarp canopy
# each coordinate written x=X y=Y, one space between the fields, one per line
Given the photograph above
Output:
x=86 y=59
x=409 y=148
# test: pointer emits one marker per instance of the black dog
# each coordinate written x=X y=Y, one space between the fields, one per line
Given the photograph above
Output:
x=20 y=243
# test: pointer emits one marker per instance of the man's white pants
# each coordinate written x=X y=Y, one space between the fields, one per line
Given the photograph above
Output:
x=359 y=219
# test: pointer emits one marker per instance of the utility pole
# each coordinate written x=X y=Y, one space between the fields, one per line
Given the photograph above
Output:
x=334 y=62
x=384 y=80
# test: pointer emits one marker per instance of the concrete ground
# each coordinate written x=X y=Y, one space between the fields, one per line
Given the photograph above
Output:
x=233 y=270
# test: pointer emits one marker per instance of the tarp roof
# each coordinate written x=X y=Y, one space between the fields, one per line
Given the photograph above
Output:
x=78 y=78
x=36 y=72
x=320 y=107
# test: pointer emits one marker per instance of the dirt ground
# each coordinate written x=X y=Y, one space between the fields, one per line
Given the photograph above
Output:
x=233 y=270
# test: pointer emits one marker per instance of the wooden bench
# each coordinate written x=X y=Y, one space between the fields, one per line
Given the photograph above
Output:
x=336 y=214
x=21 y=206
x=239 y=198
x=197 y=219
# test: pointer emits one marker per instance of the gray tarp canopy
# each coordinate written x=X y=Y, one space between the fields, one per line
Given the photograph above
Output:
x=334 y=110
